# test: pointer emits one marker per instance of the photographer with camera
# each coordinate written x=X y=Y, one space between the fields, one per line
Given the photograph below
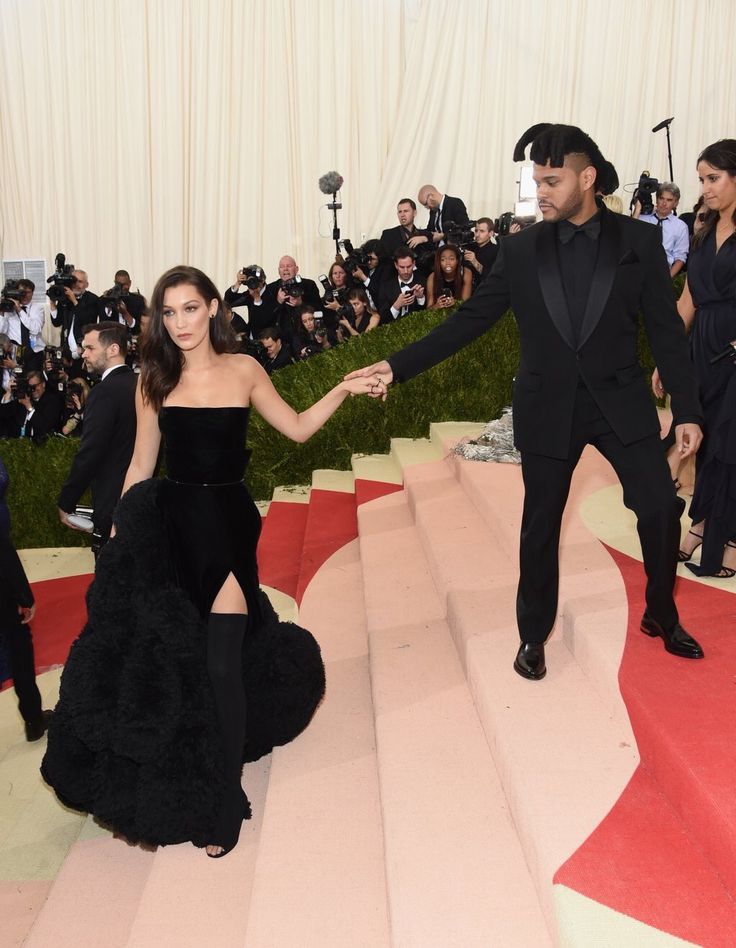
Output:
x=248 y=290
x=278 y=352
x=371 y=267
x=312 y=336
x=119 y=304
x=481 y=254
x=674 y=232
x=362 y=317
x=109 y=430
x=73 y=306
x=72 y=415
x=407 y=233
x=449 y=282
x=404 y=292
x=8 y=364
x=443 y=209
x=31 y=408
x=284 y=297
x=23 y=320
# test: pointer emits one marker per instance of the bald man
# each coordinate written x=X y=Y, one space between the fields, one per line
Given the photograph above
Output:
x=443 y=209
x=282 y=298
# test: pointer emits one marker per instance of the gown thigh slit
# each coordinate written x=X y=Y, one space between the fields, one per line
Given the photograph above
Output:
x=137 y=738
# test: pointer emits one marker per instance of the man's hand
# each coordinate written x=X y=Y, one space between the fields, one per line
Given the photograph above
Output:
x=64 y=517
x=70 y=296
x=239 y=279
x=25 y=402
x=688 y=438
x=657 y=386
x=281 y=296
x=123 y=311
x=471 y=258
x=26 y=613
x=381 y=372
x=404 y=299
x=415 y=241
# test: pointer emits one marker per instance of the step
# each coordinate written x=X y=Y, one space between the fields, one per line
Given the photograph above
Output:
x=456 y=873
x=409 y=451
x=282 y=539
x=320 y=876
x=446 y=434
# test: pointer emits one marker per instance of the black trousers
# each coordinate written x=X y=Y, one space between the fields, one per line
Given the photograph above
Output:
x=648 y=491
x=23 y=669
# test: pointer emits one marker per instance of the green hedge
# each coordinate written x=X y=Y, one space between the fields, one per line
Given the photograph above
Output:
x=473 y=385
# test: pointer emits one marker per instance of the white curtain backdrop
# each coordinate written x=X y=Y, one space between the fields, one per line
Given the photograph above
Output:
x=152 y=132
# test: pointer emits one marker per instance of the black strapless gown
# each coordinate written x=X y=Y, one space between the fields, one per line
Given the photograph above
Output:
x=134 y=739
x=711 y=277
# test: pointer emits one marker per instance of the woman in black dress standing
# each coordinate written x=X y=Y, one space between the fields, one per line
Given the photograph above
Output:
x=150 y=731
x=708 y=306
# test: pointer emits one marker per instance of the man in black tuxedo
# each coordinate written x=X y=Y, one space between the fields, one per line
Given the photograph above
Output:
x=108 y=435
x=576 y=282
x=16 y=612
x=79 y=308
x=407 y=233
x=119 y=304
x=404 y=292
x=35 y=415
x=443 y=210
x=283 y=298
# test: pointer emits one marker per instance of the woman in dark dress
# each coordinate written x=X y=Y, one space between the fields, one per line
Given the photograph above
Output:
x=150 y=730
x=364 y=317
x=708 y=306
x=449 y=282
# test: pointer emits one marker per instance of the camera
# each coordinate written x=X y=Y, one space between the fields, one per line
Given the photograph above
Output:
x=461 y=235
x=72 y=389
x=60 y=279
x=332 y=294
x=54 y=357
x=254 y=276
x=503 y=223
x=354 y=259
x=252 y=347
x=20 y=385
x=293 y=288
x=10 y=295
x=646 y=187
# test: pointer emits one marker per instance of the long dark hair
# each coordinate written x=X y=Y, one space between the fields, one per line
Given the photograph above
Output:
x=439 y=276
x=721 y=155
x=162 y=359
x=359 y=293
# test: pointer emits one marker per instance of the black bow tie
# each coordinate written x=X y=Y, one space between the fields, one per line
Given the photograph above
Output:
x=406 y=286
x=591 y=228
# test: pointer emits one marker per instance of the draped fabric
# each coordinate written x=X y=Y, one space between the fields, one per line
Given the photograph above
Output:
x=152 y=132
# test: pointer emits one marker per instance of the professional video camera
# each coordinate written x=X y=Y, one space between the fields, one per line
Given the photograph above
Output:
x=354 y=259
x=254 y=276
x=60 y=279
x=646 y=187
x=9 y=295
x=461 y=235
x=503 y=223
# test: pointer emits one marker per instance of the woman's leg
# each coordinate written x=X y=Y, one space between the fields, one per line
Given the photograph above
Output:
x=225 y=633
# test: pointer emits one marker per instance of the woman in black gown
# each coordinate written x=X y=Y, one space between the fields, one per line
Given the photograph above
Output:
x=150 y=730
x=708 y=306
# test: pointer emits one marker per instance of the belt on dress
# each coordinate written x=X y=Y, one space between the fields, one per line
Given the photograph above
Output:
x=198 y=484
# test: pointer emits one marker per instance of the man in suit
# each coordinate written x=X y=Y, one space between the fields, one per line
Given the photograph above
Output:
x=406 y=233
x=79 y=308
x=36 y=414
x=576 y=282
x=404 y=292
x=119 y=304
x=17 y=608
x=443 y=210
x=282 y=298
x=108 y=435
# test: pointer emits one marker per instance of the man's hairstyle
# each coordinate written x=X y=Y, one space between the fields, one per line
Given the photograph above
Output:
x=36 y=374
x=402 y=252
x=110 y=333
x=306 y=308
x=122 y=273
x=26 y=284
x=270 y=332
x=375 y=246
x=485 y=220
x=606 y=179
x=667 y=187
x=408 y=201
x=552 y=143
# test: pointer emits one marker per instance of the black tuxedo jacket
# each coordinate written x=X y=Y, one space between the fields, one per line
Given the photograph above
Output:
x=389 y=289
x=453 y=210
x=394 y=237
x=14 y=589
x=271 y=306
x=44 y=421
x=106 y=447
x=631 y=276
x=88 y=311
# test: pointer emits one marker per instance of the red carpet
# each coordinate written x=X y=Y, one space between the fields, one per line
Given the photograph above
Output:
x=669 y=844
x=280 y=546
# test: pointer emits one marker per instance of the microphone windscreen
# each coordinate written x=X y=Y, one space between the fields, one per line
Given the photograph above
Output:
x=331 y=182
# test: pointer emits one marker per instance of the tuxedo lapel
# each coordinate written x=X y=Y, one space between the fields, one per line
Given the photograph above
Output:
x=551 y=283
x=605 y=271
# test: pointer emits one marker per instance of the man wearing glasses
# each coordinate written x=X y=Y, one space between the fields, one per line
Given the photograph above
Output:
x=37 y=414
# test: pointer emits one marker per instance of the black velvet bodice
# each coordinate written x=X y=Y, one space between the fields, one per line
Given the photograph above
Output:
x=205 y=445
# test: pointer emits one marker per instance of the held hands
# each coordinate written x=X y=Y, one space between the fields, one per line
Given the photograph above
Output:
x=377 y=376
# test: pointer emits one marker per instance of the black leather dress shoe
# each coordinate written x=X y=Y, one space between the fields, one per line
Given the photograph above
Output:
x=676 y=639
x=529 y=661
x=35 y=730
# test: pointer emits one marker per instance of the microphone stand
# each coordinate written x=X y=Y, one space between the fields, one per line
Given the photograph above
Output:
x=669 y=152
x=334 y=206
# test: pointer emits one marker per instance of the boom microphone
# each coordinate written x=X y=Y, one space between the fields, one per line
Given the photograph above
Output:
x=331 y=182
x=662 y=125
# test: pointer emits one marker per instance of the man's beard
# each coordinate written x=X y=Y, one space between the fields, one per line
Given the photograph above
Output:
x=569 y=209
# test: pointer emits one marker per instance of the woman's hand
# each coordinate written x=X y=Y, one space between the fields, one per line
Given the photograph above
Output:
x=77 y=402
x=657 y=386
x=371 y=385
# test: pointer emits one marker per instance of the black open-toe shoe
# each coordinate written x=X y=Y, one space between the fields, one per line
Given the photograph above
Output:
x=682 y=555
x=235 y=809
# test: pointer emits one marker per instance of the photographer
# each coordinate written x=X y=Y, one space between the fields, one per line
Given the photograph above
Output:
x=119 y=304
x=404 y=291
x=443 y=210
x=336 y=289
x=481 y=255
x=449 y=282
x=109 y=430
x=76 y=308
x=674 y=232
x=8 y=365
x=284 y=297
x=248 y=290
x=72 y=416
x=278 y=353
x=362 y=317
x=35 y=409
x=312 y=336
x=407 y=233
x=23 y=320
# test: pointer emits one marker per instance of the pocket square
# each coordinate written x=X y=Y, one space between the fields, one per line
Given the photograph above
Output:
x=628 y=257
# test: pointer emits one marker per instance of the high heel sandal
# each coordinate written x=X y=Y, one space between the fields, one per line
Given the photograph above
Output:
x=727 y=572
x=231 y=818
x=682 y=556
